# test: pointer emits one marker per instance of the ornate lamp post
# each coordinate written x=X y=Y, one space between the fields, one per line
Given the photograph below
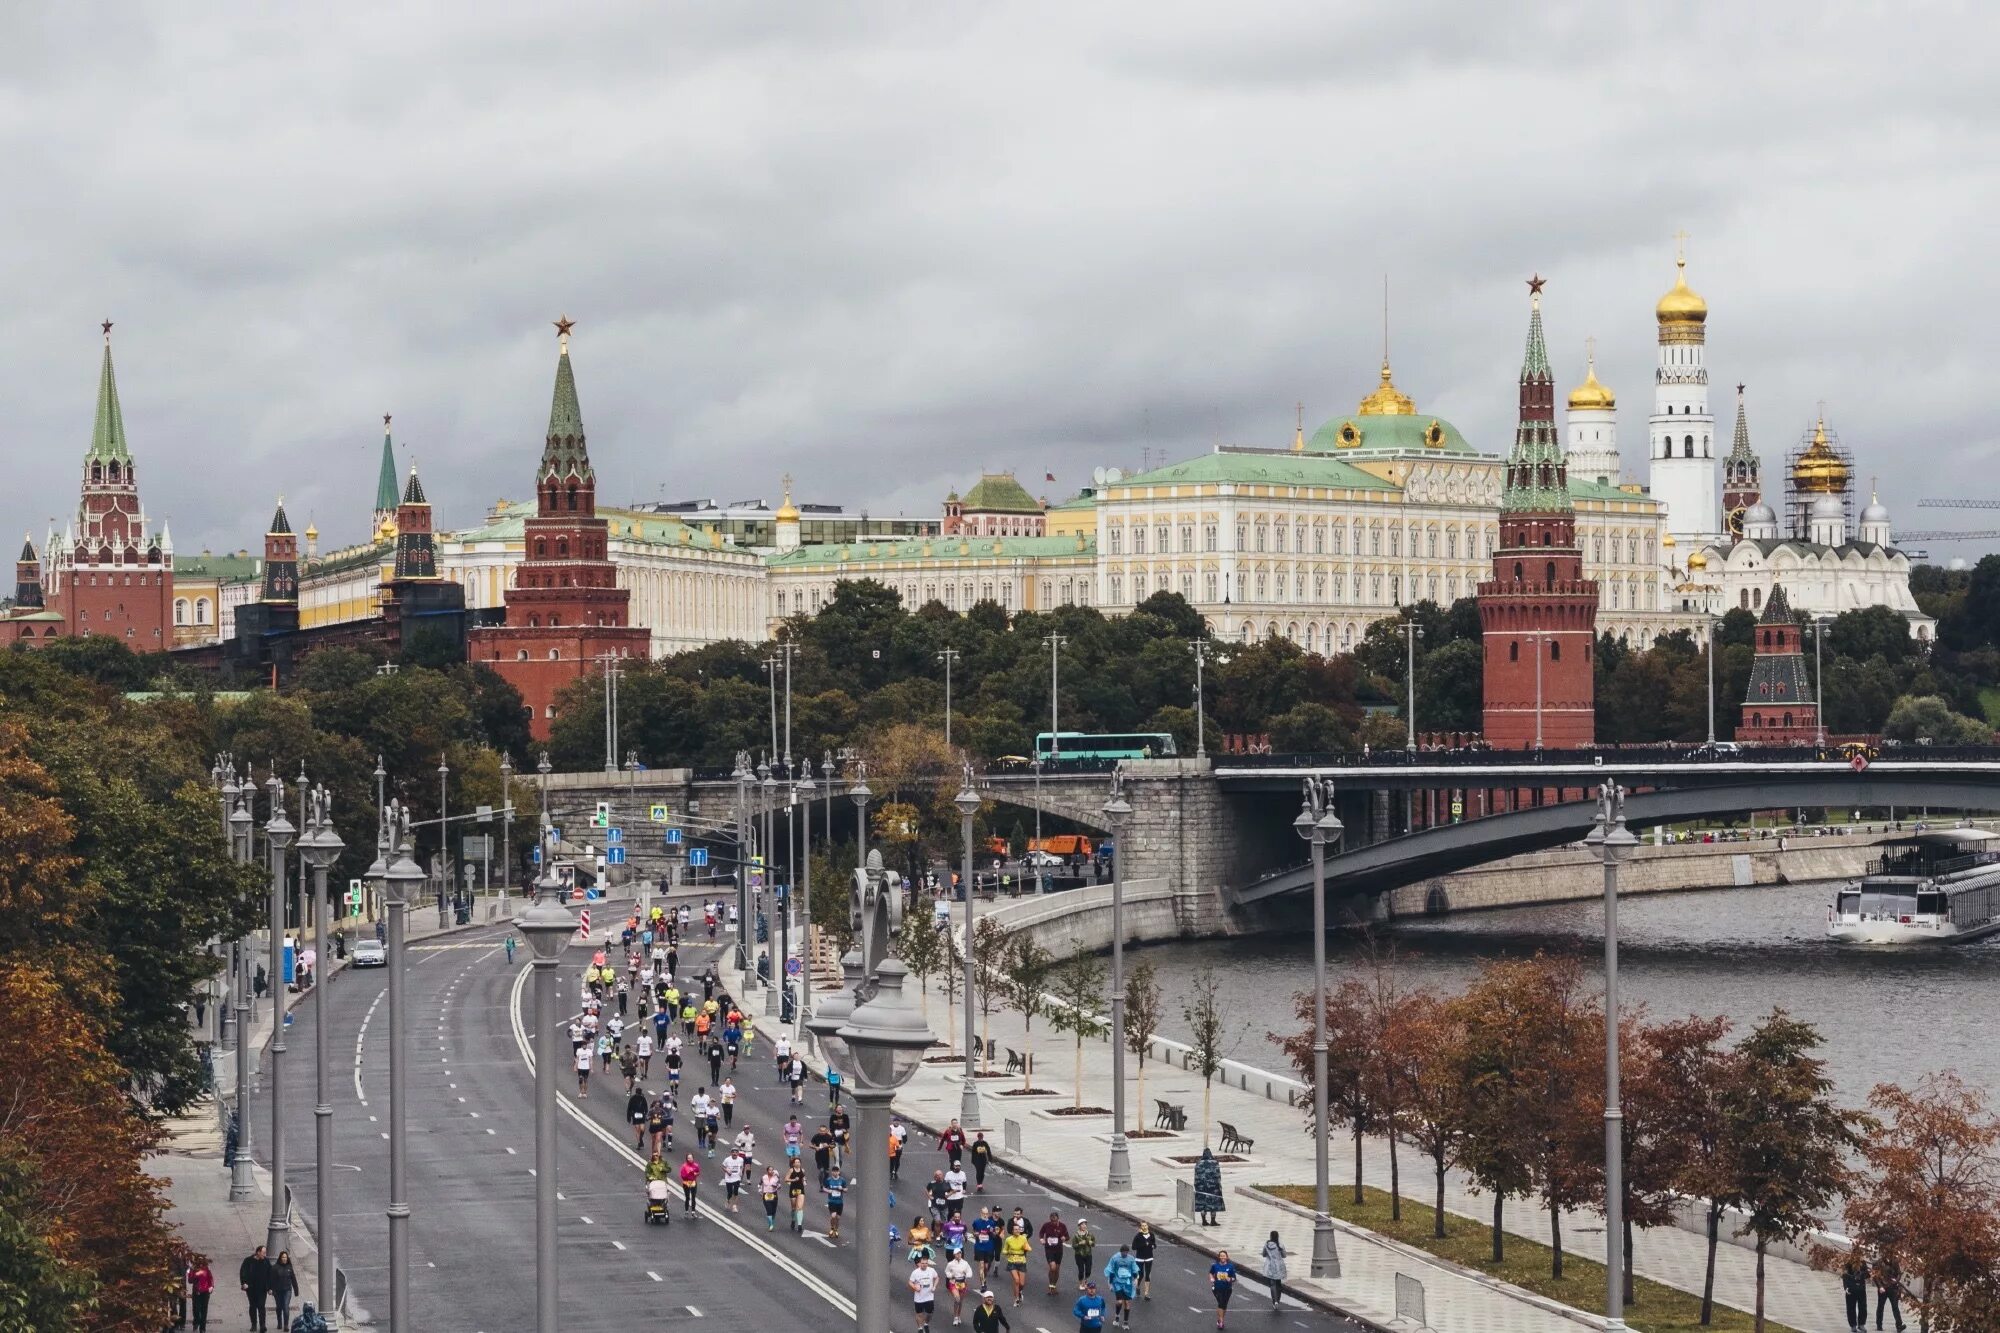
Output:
x=743 y=923
x=1614 y=845
x=859 y=793
x=1116 y=809
x=968 y=804
x=278 y=835
x=774 y=929
x=802 y=798
x=241 y=1186
x=400 y=879
x=321 y=847
x=548 y=928
x=506 y=819
x=1319 y=826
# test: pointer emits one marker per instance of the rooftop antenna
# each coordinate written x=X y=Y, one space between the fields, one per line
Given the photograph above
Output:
x=1385 y=319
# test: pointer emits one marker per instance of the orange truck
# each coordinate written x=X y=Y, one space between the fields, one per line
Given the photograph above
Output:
x=1062 y=844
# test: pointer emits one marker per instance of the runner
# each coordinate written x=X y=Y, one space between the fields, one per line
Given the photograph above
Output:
x=1014 y=1253
x=982 y=1157
x=1122 y=1272
x=1053 y=1235
x=957 y=1281
x=690 y=1178
x=644 y=1050
x=1083 y=1245
x=660 y=1122
x=897 y=1133
x=835 y=1186
x=700 y=1108
x=988 y=1317
x=782 y=1053
x=1144 y=1242
x=726 y=1091
x=923 y=1286
x=628 y=1065
x=767 y=1189
x=746 y=1143
x=937 y=1191
x=795 y=1186
x=673 y=1063
x=1089 y=1310
x=583 y=1071
x=985 y=1243
x=794 y=1132
x=954 y=1191
x=1222 y=1278
x=822 y=1146
x=952 y=1142
x=733 y=1167
x=635 y=1112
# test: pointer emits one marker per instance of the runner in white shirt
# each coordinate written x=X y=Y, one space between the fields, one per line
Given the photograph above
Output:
x=732 y=1176
x=645 y=1052
x=615 y=1025
x=583 y=1058
x=727 y=1096
x=673 y=1046
x=746 y=1143
x=957 y=1280
x=954 y=1191
x=923 y=1289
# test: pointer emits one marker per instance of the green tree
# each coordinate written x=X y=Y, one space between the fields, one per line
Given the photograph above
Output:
x=1027 y=973
x=922 y=947
x=1451 y=687
x=1202 y=1011
x=1077 y=987
x=1928 y=718
x=1310 y=728
x=1142 y=1024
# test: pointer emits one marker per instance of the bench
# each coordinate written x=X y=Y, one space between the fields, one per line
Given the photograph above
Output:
x=1170 y=1116
x=1016 y=1062
x=1232 y=1141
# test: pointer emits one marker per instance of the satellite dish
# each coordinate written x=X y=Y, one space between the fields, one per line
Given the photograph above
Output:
x=1097 y=476
x=1114 y=474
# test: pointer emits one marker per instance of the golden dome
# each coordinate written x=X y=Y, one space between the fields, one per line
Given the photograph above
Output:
x=1387 y=400
x=787 y=512
x=1820 y=471
x=312 y=531
x=1697 y=561
x=1667 y=539
x=1681 y=305
x=1592 y=395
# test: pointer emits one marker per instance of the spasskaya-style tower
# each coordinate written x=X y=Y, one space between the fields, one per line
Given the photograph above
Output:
x=565 y=610
x=1538 y=612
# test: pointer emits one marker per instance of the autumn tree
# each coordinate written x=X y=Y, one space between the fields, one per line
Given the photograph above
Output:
x=1027 y=973
x=1076 y=986
x=1425 y=1043
x=1685 y=1074
x=1929 y=1201
x=1142 y=1024
x=1787 y=1140
x=1350 y=1057
x=924 y=951
x=990 y=946
x=1202 y=1011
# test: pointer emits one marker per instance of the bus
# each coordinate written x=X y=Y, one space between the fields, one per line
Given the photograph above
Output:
x=1086 y=745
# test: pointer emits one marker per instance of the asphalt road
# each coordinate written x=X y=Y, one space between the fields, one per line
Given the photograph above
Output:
x=471 y=1187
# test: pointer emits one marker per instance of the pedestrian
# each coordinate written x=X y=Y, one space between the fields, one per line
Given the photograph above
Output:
x=1014 y=1254
x=284 y=1284
x=1854 y=1287
x=1889 y=1291
x=510 y=948
x=1121 y=1270
x=309 y=1320
x=832 y=1086
x=726 y=1094
x=1274 y=1266
x=690 y=1174
x=1053 y=1235
x=1144 y=1245
x=1089 y=1310
x=1083 y=1248
x=260 y=984
x=988 y=1317
x=981 y=1153
x=201 y=1286
x=957 y=1281
x=952 y=1142
x=1208 y=1188
x=1222 y=1278
x=583 y=1070
x=895 y=1150
x=254 y=1276
x=795 y=1187
x=923 y=1287
x=835 y=1188
x=767 y=1190
x=733 y=1167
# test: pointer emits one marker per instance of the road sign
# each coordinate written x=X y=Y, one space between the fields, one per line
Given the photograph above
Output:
x=673 y=837
x=614 y=856
x=485 y=814
x=476 y=846
x=576 y=894
x=1457 y=809
x=536 y=855
x=697 y=857
x=602 y=819
x=591 y=895
x=793 y=967
x=614 y=836
x=555 y=834
x=783 y=891
x=583 y=923
x=658 y=814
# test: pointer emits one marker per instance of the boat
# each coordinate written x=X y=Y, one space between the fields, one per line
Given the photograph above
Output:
x=1937 y=887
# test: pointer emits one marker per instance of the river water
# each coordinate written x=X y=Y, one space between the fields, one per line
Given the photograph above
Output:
x=1888 y=1015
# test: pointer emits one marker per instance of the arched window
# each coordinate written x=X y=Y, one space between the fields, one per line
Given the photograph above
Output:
x=1550 y=574
x=1518 y=575
x=520 y=654
x=1687 y=449
x=201 y=609
x=1514 y=651
x=180 y=611
x=541 y=548
x=562 y=548
x=1555 y=651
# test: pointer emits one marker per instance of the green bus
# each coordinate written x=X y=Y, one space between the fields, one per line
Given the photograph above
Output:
x=1086 y=745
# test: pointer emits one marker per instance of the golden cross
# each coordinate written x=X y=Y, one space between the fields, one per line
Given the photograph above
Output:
x=1681 y=246
x=1590 y=349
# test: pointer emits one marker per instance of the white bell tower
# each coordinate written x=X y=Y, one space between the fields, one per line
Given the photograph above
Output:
x=1683 y=472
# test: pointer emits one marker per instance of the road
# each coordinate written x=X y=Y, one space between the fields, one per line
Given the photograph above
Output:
x=471 y=1186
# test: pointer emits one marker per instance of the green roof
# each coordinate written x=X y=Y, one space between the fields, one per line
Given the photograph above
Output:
x=625 y=524
x=1260 y=468
x=1388 y=433
x=107 y=435
x=999 y=493
x=228 y=568
x=1537 y=479
x=1583 y=489
x=565 y=452
x=385 y=480
x=919 y=549
x=1076 y=502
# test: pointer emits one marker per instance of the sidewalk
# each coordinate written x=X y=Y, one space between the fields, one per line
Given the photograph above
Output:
x=197 y=1181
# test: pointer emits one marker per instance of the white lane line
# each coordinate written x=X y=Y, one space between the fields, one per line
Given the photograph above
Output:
x=586 y=1221
x=655 y=1276
x=691 y=1310
x=617 y=1244
x=617 y=1145
x=511 y=1152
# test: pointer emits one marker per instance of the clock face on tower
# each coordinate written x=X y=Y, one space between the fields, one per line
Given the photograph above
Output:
x=1735 y=520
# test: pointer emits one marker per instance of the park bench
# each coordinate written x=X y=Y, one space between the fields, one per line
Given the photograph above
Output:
x=1232 y=1141
x=1170 y=1116
x=1017 y=1063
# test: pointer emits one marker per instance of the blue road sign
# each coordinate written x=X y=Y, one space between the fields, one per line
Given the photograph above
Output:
x=697 y=857
x=555 y=834
x=783 y=891
x=591 y=895
x=537 y=855
x=614 y=836
x=793 y=967
x=673 y=837
x=614 y=856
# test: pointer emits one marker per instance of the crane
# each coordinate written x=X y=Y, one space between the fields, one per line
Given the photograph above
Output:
x=1992 y=534
x=1958 y=504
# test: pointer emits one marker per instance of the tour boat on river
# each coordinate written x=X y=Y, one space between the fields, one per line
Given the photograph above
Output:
x=1938 y=887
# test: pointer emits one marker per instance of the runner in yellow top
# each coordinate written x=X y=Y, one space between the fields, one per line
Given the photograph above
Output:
x=1014 y=1253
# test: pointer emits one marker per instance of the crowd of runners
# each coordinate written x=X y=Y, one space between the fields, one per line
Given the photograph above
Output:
x=642 y=1020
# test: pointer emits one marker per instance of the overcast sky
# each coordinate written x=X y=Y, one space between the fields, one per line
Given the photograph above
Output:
x=884 y=246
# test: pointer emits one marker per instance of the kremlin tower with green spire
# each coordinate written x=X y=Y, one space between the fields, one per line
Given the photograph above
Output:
x=1538 y=612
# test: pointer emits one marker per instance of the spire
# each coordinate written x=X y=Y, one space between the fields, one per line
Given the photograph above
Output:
x=416 y=549
x=1537 y=478
x=107 y=436
x=565 y=453
x=385 y=479
x=1739 y=449
x=279 y=523
x=413 y=494
x=28 y=549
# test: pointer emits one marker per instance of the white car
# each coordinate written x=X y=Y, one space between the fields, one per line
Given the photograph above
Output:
x=1043 y=860
x=370 y=953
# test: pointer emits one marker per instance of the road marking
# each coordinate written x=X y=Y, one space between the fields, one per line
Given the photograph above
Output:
x=618 y=1244
x=617 y=1145
x=510 y=1152
x=691 y=1310
x=475 y=1116
x=586 y=1221
x=655 y=1276
x=489 y=1130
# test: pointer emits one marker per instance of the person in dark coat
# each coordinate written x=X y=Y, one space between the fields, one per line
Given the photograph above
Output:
x=1854 y=1286
x=1208 y=1188
x=284 y=1285
x=254 y=1276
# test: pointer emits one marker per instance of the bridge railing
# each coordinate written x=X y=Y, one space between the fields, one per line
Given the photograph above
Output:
x=1477 y=757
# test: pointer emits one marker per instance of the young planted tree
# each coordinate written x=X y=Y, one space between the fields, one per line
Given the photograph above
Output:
x=1350 y=1056
x=1694 y=1071
x=990 y=947
x=921 y=947
x=1203 y=1014
x=1787 y=1141
x=1027 y=971
x=1142 y=1024
x=1656 y=1150
x=1929 y=1203
x=1077 y=987
x=1387 y=1077
x=951 y=980
x=1425 y=1044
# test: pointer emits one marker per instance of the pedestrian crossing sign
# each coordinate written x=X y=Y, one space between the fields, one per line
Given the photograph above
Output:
x=657 y=813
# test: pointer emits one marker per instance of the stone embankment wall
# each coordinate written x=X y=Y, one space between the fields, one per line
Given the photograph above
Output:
x=1570 y=874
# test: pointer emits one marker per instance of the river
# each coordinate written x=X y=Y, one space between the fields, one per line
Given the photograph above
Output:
x=1888 y=1015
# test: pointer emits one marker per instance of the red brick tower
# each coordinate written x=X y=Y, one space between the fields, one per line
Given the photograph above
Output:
x=1779 y=707
x=111 y=576
x=1538 y=612
x=565 y=610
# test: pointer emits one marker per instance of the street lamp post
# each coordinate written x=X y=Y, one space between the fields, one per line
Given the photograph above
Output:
x=1709 y=624
x=321 y=846
x=1819 y=683
x=278 y=835
x=1319 y=826
x=1540 y=638
x=802 y=798
x=1200 y=701
x=968 y=804
x=548 y=927
x=743 y=922
x=399 y=878
x=241 y=1186
x=947 y=656
x=1614 y=845
x=506 y=819
x=859 y=794
x=1036 y=846
x=1055 y=643
x=766 y=785
x=1412 y=631
x=1115 y=810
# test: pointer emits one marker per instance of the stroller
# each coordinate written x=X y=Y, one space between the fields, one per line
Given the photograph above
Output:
x=656 y=1203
